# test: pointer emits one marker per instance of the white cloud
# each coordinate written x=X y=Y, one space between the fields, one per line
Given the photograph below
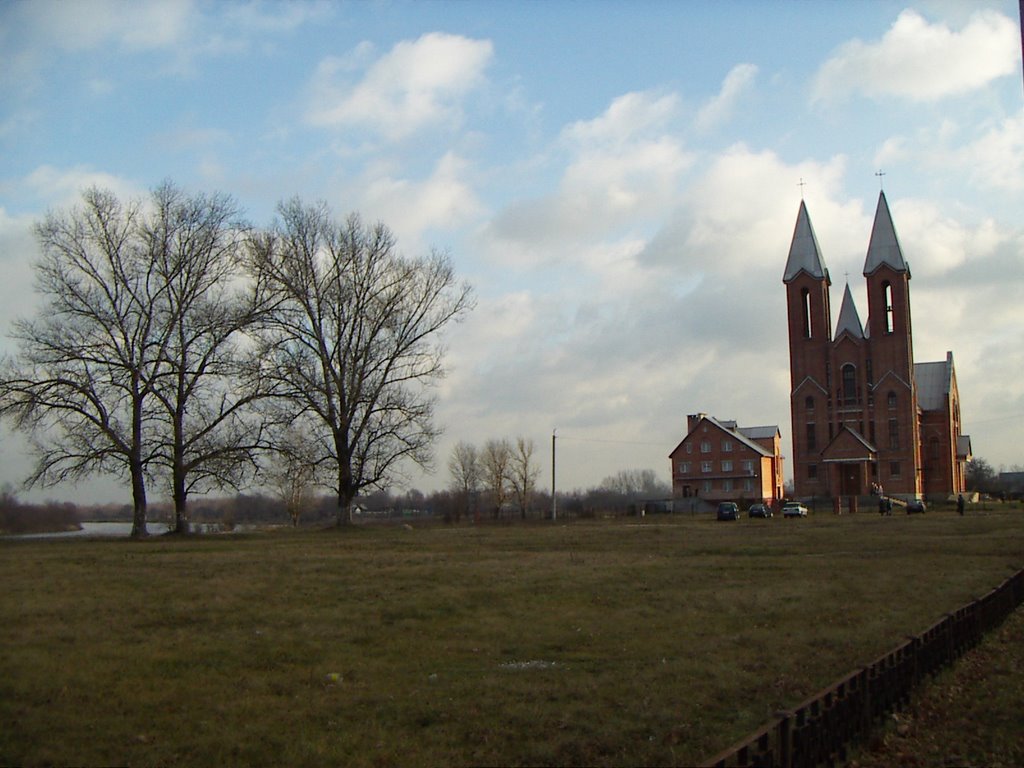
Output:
x=624 y=171
x=922 y=61
x=63 y=187
x=444 y=200
x=87 y=24
x=418 y=83
x=721 y=107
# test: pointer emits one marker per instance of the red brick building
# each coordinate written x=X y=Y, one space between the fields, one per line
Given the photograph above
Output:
x=720 y=461
x=864 y=414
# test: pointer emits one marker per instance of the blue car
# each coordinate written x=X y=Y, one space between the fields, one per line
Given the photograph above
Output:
x=728 y=510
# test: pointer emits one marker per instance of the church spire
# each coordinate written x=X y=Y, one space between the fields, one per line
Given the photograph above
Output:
x=849 y=320
x=884 y=247
x=804 y=253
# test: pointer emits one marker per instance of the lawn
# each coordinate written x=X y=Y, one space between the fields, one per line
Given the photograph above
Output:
x=651 y=642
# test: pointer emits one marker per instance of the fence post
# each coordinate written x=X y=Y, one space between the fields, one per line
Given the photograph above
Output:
x=785 y=739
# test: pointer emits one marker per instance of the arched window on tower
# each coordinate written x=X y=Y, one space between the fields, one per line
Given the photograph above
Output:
x=887 y=304
x=805 y=311
x=849 y=384
x=809 y=403
x=892 y=399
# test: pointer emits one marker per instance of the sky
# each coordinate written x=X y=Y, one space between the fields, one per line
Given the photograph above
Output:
x=618 y=180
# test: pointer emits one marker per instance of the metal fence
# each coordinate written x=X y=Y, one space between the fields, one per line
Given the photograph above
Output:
x=819 y=731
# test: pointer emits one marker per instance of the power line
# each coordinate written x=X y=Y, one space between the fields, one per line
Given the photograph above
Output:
x=605 y=440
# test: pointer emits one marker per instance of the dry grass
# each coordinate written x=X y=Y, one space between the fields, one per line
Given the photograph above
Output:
x=589 y=643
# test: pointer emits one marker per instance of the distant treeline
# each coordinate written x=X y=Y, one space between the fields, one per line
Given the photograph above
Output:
x=16 y=517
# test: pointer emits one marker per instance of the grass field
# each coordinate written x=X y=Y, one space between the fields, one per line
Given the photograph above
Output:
x=651 y=642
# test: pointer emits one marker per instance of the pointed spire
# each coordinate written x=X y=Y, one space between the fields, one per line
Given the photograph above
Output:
x=804 y=253
x=884 y=247
x=849 y=320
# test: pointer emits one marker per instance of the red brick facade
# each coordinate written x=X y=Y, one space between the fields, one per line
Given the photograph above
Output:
x=719 y=461
x=863 y=414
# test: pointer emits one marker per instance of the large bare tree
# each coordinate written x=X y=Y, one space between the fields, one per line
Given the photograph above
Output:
x=132 y=366
x=523 y=474
x=496 y=458
x=465 y=468
x=209 y=378
x=81 y=380
x=352 y=341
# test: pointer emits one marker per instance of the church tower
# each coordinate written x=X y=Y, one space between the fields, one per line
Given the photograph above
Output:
x=894 y=402
x=810 y=323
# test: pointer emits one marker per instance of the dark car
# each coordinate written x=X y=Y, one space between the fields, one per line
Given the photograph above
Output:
x=916 y=507
x=728 y=510
x=759 y=510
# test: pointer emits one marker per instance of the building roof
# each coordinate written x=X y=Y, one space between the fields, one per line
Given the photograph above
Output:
x=734 y=431
x=933 y=382
x=767 y=432
x=804 y=253
x=884 y=246
x=849 y=320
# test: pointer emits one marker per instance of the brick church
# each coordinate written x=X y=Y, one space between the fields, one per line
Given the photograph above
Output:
x=865 y=415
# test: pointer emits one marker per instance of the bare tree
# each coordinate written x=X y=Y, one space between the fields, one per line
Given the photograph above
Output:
x=496 y=458
x=352 y=341
x=81 y=380
x=292 y=473
x=206 y=385
x=523 y=474
x=465 y=467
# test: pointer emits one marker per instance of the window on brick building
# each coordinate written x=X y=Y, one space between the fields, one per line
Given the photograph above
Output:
x=894 y=469
x=705 y=466
x=686 y=467
x=849 y=374
x=812 y=441
x=706 y=486
x=894 y=435
x=805 y=313
x=727 y=485
x=727 y=446
x=727 y=466
x=812 y=471
x=809 y=403
x=887 y=305
x=705 y=446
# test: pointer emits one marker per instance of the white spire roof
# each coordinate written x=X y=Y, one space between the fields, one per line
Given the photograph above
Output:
x=884 y=247
x=849 y=320
x=804 y=253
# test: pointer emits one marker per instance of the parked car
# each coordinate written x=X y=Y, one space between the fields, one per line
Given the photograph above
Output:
x=794 y=509
x=759 y=510
x=916 y=507
x=728 y=510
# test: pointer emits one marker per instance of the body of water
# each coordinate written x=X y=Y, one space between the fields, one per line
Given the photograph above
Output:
x=121 y=530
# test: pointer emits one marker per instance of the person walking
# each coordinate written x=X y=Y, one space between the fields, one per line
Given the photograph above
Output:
x=960 y=504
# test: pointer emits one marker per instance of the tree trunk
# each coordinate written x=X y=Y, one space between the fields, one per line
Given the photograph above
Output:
x=180 y=503
x=138 y=504
x=344 y=510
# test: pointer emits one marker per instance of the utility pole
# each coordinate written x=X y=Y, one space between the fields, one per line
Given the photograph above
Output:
x=554 y=502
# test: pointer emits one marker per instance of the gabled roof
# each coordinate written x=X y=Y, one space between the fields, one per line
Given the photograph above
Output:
x=848 y=445
x=767 y=432
x=849 y=320
x=884 y=247
x=934 y=381
x=732 y=431
x=804 y=253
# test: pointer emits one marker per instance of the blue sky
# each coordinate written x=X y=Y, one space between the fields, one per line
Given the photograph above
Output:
x=618 y=180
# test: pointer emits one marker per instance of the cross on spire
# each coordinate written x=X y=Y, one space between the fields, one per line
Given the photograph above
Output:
x=880 y=173
x=801 y=185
